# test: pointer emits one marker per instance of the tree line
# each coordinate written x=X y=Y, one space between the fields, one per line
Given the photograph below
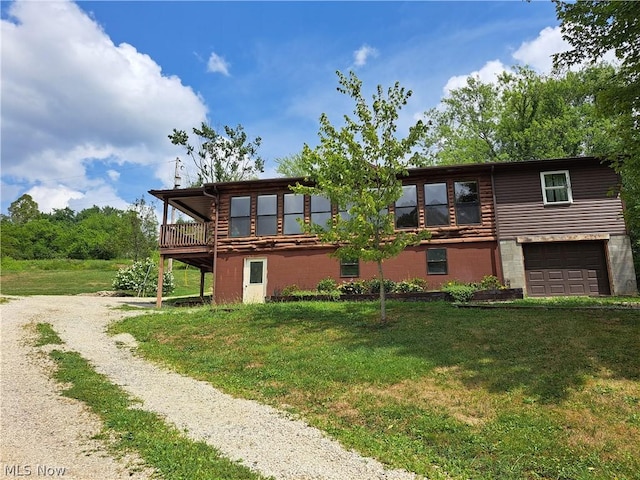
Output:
x=102 y=233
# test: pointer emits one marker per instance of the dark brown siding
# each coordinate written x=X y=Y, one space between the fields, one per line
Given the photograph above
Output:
x=520 y=209
x=466 y=262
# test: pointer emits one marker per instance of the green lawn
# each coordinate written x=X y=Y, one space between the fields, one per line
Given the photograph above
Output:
x=442 y=391
x=70 y=277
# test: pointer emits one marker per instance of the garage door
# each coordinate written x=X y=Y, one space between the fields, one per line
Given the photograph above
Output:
x=567 y=268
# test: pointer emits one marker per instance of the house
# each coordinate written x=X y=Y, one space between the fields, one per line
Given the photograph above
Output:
x=551 y=227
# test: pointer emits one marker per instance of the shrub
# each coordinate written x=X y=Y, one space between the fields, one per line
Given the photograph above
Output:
x=327 y=285
x=414 y=285
x=373 y=286
x=490 y=282
x=142 y=278
x=353 y=288
x=461 y=292
x=290 y=290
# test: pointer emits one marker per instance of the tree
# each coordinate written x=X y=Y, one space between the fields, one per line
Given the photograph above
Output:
x=522 y=116
x=359 y=168
x=144 y=229
x=23 y=210
x=221 y=157
x=594 y=28
x=291 y=166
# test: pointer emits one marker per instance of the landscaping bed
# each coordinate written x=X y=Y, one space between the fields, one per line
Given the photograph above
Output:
x=478 y=296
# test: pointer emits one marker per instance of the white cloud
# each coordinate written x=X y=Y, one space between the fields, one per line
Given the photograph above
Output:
x=49 y=198
x=72 y=99
x=538 y=53
x=363 y=54
x=487 y=74
x=217 y=64
x=113 y=175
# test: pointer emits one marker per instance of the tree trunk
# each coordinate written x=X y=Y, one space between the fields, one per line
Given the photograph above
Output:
x=383 y=295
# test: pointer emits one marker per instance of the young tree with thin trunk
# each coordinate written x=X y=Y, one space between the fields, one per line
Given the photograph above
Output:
x=359 y=167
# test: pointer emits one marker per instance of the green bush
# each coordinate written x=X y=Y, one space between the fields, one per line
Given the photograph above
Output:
x=290 y=290
x=373 y=286
x=490 y=282
x=353 y=288
x=327 y=285
x=414 y=285
x=142 y=279
x=461 y=292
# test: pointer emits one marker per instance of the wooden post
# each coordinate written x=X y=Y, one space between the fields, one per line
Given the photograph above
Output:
x=202 y=272
x=160 y=282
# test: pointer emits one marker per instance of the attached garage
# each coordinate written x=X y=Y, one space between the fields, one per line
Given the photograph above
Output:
x=566 y=268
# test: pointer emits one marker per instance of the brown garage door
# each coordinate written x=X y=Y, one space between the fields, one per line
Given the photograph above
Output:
x=566 y=268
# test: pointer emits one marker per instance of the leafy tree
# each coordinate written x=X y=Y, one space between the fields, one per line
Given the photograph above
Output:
x=359 y=168
x=594 y=28
x=521 y=117
x=221 y=157
x=23 y=210
x=143 y=237
x=291 y=166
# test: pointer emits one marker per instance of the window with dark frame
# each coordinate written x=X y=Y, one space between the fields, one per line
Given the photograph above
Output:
x=267 y=215
x=293 y=210
x=556 y=187
x=320 y=210
x=436 y=203
x=350 y=268
x=240 y=217
x=406 y=208
x=467 y=200
x=437 y=261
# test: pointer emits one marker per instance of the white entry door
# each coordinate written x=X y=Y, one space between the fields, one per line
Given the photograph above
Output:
x=254 y=281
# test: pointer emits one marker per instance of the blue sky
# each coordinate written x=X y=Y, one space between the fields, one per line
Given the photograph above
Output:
x=90 y=90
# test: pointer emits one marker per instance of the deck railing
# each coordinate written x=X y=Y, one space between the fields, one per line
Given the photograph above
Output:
x=184 y=235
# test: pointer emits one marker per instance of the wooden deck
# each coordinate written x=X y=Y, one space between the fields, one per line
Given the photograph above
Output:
x=188 y=243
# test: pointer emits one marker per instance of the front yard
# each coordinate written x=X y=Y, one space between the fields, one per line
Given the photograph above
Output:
x=441 y=391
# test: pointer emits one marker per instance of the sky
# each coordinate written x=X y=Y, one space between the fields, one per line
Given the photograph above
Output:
x=90 y=91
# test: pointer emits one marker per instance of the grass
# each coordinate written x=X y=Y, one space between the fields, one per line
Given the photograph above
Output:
x=441 y=391
x=129 y=429
x=71 y=277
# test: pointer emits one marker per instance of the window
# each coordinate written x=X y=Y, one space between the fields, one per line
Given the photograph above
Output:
x=437 y=261
x=320 y=210
x=267 y=221
x=350 y=268
x=467 y=203
x=240 y=218
x=436 y=204
x=344 y=214
x=256 y=272
x=407 y=208
x=293 y=210
x=556 y=187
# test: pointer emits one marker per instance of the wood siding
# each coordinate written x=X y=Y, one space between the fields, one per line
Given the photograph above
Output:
x=484 y=231
x=596 y=206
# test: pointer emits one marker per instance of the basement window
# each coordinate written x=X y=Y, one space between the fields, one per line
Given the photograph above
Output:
x=350 y=268
x=437 y=261
x=556 y=187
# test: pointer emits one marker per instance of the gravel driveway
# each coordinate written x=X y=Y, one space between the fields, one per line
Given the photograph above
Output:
x=42 y=430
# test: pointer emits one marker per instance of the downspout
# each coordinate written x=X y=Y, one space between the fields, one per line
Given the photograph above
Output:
x=216 y=202
x=496 y=223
